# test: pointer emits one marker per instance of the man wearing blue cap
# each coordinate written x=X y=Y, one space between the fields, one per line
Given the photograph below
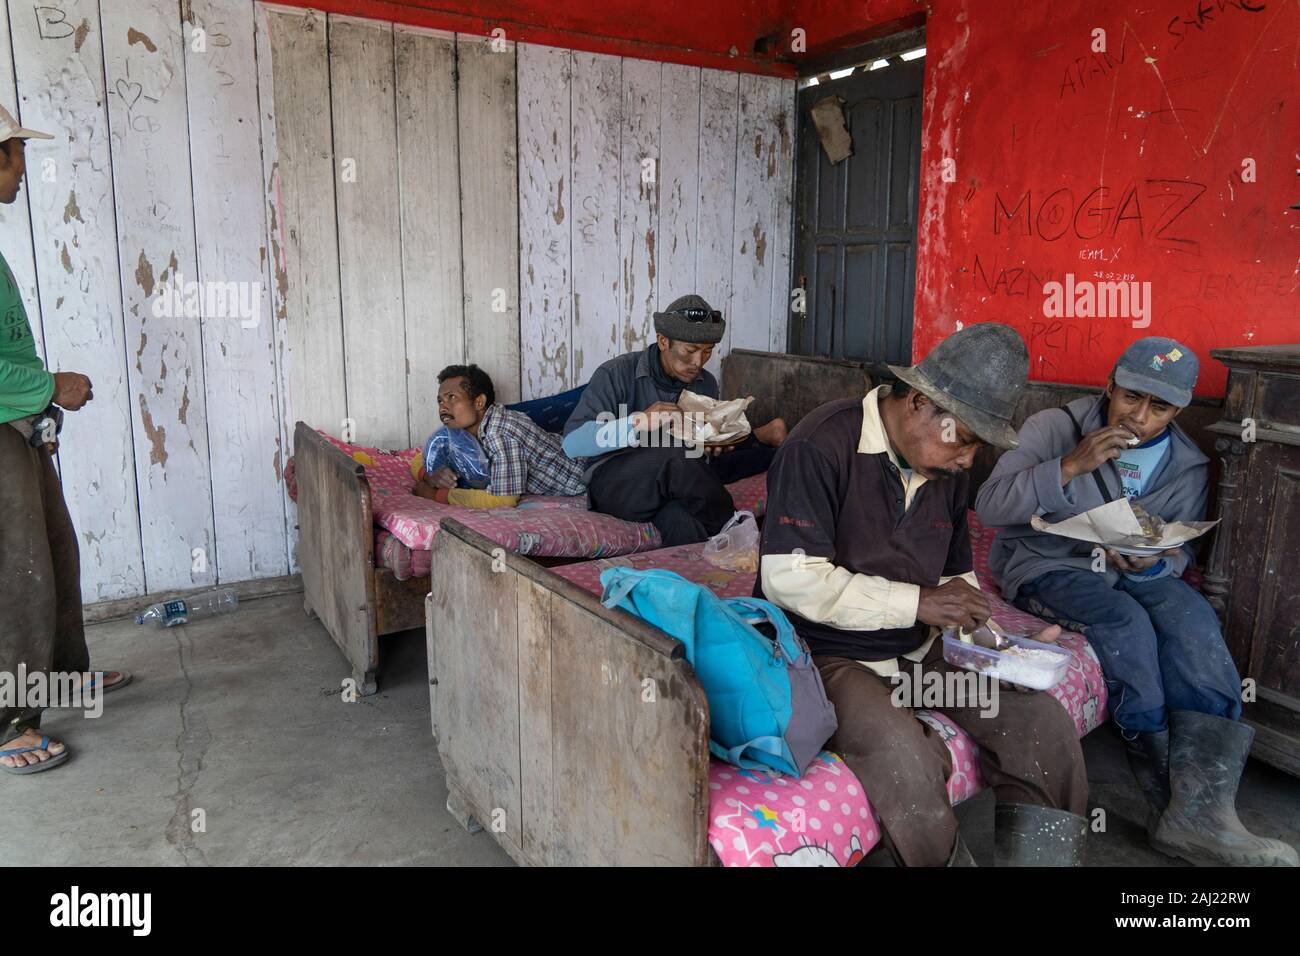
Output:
x=1174 y=691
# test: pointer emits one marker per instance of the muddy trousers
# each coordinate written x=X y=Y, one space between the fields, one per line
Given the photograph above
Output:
x=1028 y=753
x=40 y=575
x=1158 y=641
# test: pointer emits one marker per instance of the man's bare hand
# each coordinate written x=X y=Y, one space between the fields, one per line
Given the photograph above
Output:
x=1136 y=562
x=953 y=603
x=444 y=477
x=1105 y=444
x=71 y=390
x=658 y=415
x=1048 y=635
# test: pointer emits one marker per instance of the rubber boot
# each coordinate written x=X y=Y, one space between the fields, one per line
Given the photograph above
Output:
x=960 y=855
x=883 y=854
x=1032 y=835
x=1148 y=758
x=1207 y=755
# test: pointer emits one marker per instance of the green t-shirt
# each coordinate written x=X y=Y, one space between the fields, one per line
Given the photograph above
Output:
x=25 y=386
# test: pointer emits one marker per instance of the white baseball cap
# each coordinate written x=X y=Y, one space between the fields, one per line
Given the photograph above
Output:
x=9 y=128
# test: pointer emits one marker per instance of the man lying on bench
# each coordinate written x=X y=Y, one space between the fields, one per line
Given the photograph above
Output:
x=1159 y=641
x=521 y=458
x=866 y=547
x=634 y=471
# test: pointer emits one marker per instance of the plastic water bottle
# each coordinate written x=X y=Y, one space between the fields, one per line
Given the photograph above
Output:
x=207 y=604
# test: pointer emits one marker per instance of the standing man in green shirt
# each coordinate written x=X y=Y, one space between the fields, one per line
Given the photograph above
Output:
x=41 y=627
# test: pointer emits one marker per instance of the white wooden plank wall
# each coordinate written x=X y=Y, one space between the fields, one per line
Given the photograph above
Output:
x=238 y=329
x=429 y=173
x=758 y=173
x=359 y=204
x=303 y=218
x=596 y=174
x=719 y=106
x=59 y=66
x=638 y=201
x=277 y=272
x=369 y=225
x=679 y=182
x=489 y=214
x=546 y=211
x=149 y=136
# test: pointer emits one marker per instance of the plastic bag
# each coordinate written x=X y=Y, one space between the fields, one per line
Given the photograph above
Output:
x=735 y=547
x=710 y=421
x=460 y=451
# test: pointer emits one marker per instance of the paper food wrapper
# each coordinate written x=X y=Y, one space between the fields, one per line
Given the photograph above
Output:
x=712 y=422
x=1114 y=525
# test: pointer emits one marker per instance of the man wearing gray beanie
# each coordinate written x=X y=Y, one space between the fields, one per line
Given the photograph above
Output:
x=631 y=472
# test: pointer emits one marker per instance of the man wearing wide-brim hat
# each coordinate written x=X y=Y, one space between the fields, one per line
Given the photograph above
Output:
x=1175 y=694
x=866 y=547
x=41 y=626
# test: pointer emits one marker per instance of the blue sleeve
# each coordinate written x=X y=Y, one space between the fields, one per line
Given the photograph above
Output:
x=601 y=396
x=595 y=438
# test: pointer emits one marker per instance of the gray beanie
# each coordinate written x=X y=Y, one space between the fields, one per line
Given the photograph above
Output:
x=703 y=326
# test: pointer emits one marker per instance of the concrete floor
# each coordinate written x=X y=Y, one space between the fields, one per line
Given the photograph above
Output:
x=241 y=717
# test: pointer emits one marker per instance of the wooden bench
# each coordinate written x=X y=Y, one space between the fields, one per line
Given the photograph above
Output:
x=575 y=734
x=355 y=600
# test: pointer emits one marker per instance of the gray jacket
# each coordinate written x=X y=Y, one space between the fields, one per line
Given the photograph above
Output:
x=1027 y=482
x=629 y=383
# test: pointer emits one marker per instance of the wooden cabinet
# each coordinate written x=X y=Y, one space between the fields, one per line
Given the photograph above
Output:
x=1253 y=575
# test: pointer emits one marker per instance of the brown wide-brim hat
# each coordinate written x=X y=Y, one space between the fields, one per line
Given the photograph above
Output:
x=977 y=374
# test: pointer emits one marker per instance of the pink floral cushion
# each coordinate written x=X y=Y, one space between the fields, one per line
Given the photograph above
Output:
x=824 y=818
x=541 y=526
x=686 y=559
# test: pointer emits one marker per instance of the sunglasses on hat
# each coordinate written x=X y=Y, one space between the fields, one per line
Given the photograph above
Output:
x=698 y=315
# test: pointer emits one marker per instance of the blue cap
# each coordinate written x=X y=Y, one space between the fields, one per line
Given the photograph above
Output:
x=1161 y=367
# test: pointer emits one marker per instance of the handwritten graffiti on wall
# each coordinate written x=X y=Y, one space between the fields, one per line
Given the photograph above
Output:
x=1085 y=69
x=1054 y=345
x=1203 y=13
x=1147 y=208
x=991 y=277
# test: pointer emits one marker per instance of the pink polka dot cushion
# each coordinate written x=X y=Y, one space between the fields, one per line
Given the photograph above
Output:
x=768 y=819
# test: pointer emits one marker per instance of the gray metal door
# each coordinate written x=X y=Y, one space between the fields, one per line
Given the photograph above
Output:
x=855 y=231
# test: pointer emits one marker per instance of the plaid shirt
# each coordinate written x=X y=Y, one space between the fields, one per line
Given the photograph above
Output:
x=524 y=459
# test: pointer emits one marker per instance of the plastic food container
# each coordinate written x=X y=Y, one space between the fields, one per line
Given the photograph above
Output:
x=1035 y=671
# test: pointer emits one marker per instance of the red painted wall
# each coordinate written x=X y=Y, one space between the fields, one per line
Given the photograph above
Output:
x=678 y=31
x=1125 y=164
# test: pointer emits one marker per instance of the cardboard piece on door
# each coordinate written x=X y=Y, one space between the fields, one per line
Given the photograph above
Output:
x=828 y=117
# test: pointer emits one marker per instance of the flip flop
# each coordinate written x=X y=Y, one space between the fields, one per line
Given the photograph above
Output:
x=51 y=763
x=109 y=688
